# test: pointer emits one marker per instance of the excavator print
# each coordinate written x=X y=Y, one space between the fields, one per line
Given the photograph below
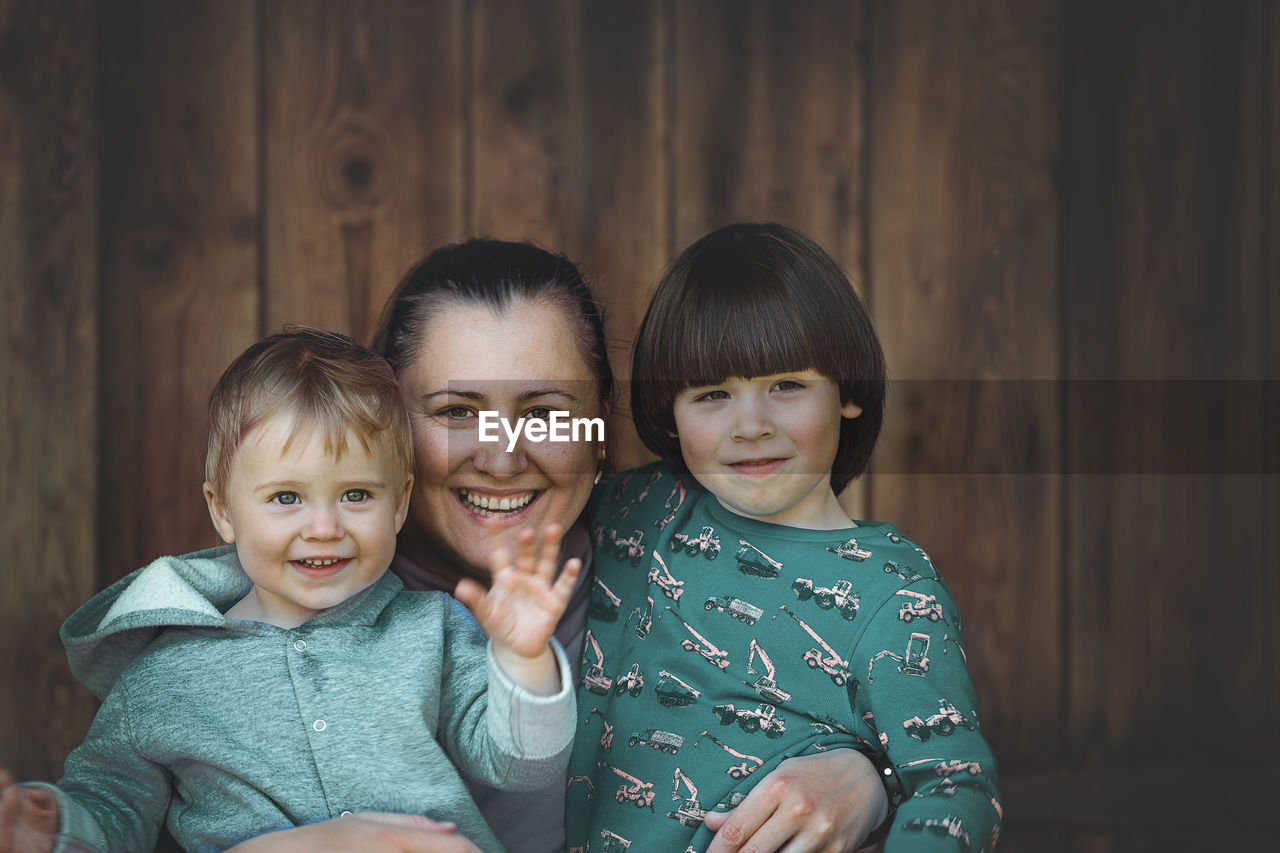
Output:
x=914 y=661
x=671 y=505
x=644 y=624
x=594 y=679
x=606 y=734
x=765 y=686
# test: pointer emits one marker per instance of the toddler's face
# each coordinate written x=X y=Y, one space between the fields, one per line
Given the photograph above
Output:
x=764 y=446
x=310 y=529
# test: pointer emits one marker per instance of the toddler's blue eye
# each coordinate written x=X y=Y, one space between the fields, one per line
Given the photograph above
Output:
x=355 y=495
x=286 y=498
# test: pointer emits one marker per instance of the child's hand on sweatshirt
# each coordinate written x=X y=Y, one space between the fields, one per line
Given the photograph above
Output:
x=523 y=604
x=28 y=817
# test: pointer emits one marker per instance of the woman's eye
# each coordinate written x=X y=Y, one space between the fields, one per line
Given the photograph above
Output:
x=541 y=413
x=285 y=498
x=456 y=413
x=355 y=496
x=714 y=394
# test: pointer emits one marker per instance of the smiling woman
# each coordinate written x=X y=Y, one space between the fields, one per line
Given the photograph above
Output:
x=521 y=356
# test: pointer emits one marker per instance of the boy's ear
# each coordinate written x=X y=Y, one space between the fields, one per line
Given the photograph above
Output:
x=850 y=410
x=402 y=503
x=218 y=512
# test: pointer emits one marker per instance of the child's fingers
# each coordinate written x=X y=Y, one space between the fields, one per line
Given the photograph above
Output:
x=549 y=554
x=564 y=584
x=500 y=558
x=472 y=596
x=522 y=559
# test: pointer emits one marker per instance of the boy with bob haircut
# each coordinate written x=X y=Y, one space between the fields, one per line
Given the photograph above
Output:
x=761 y=622
x=311 y=685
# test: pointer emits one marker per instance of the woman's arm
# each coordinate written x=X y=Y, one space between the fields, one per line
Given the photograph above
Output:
x=368 y=832
x=827 y=802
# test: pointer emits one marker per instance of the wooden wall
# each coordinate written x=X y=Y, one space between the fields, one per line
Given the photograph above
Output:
x=1064 y=216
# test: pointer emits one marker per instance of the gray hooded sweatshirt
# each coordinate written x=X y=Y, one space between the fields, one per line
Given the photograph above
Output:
x=236 y=728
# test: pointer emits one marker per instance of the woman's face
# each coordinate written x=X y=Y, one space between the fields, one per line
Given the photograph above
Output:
x=525 y=362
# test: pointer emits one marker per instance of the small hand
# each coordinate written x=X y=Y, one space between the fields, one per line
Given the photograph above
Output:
x=823 y=803
x=28 y=818
x=520 y=610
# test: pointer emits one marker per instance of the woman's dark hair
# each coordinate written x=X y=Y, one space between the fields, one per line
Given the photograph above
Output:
x=754 y=300
x=496 y=274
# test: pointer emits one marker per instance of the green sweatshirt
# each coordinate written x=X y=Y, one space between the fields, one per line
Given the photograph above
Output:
x=236 y=728
x=717 y=646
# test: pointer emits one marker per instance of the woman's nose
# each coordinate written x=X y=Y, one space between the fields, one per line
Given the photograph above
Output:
x=494 y=459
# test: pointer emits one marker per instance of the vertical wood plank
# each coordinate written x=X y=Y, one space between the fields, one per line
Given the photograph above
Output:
x=1271 y=273
x=768 y=124
x=364 y=152
x=1160 y=288
x=964 y=255
x=570 y=151
x=48 y=372
x=180 y=240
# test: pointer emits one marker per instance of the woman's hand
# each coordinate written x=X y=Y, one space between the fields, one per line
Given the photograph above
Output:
x=28 y=817
x=828 y=802
x=520 y=610
x=367 y=832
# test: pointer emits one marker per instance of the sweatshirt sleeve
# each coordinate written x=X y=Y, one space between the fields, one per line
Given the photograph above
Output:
x=496 y=731
x=111 y=797
x=918 y=696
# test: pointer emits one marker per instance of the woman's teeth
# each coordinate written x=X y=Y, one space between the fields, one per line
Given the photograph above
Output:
x=487 y=506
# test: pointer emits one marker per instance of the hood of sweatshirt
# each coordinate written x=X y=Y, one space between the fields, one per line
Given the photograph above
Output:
x=108 y=632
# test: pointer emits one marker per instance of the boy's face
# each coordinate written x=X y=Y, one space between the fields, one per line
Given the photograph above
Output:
x=764 y=446
x=311 y=530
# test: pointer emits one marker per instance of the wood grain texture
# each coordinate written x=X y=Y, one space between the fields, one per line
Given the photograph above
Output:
x=570 y=151
x=964 y=257
x=179 y=223
x=768 y=124
x=363 y=151
x=48 y=370
x=1165 y=571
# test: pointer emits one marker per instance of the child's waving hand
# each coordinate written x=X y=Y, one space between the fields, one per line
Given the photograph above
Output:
x=524 y=602
x=28 y=818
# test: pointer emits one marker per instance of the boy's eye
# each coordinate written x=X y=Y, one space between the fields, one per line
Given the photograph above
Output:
x=285 y=498
x=355 y=496
x=713 y=394
x=787 y=385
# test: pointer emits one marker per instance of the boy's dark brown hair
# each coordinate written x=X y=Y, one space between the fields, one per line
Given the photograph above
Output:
x=756 y=299
x=325 y=380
